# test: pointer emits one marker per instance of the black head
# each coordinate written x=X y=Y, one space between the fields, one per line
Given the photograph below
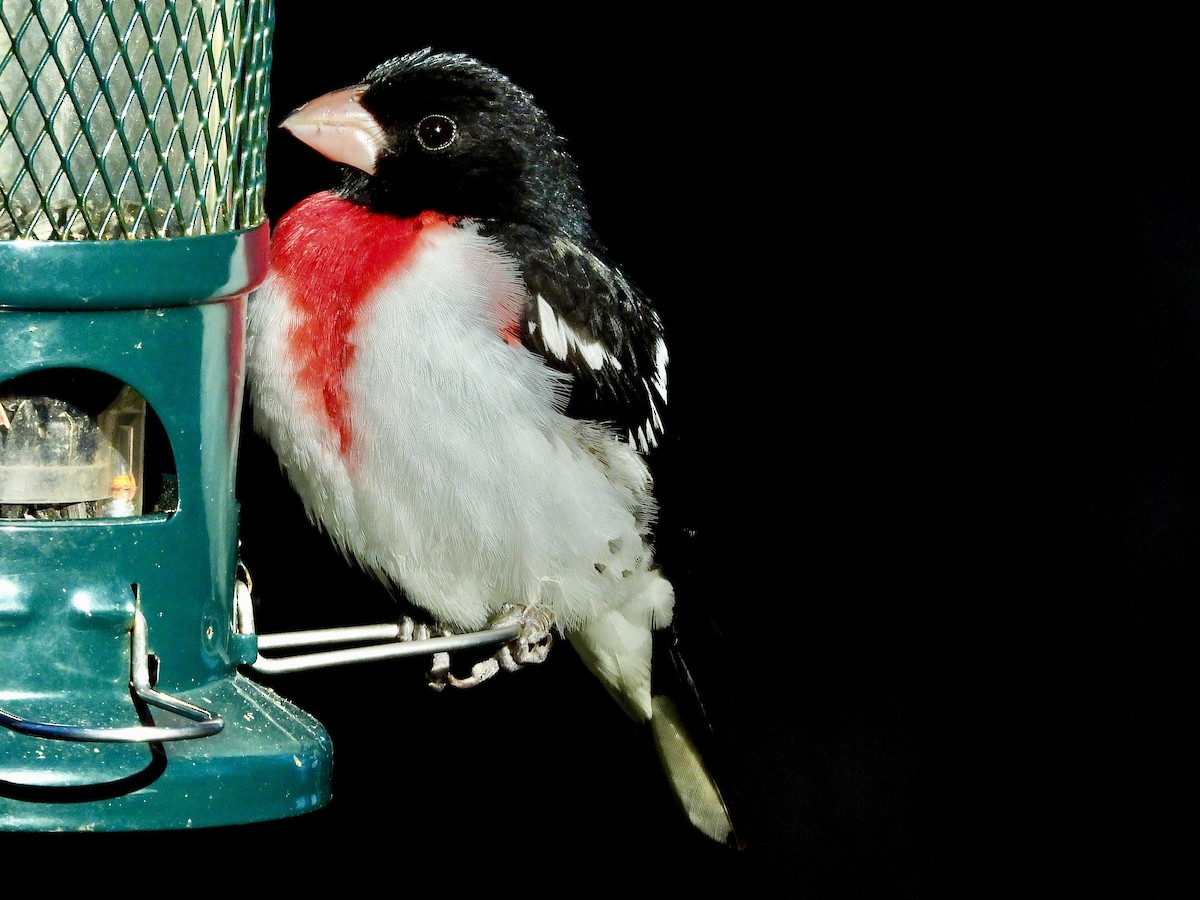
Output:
x=460 y=138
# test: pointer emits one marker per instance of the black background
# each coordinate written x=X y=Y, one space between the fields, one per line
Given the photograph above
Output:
x=931 y=496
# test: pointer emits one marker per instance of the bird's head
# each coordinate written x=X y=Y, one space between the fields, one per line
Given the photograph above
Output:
x=444 y=132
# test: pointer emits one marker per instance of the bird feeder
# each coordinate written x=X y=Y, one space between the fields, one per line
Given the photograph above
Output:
x=132 y=229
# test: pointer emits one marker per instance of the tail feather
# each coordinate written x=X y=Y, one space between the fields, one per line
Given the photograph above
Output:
x=694 y=786
x=688 y=746
x=627 y=654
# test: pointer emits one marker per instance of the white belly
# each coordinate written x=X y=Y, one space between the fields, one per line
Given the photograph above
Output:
x=463 y=483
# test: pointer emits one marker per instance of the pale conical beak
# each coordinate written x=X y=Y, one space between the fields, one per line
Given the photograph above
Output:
x=337 y=126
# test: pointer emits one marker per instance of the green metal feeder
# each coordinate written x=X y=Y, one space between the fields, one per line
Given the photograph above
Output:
x=132 y=229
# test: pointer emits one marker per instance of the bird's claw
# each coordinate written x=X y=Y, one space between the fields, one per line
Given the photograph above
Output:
x=440 y=675
x=530 y=647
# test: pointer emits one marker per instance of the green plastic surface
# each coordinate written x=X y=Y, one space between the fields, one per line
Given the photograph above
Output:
x=68 y=587
x=130 y=274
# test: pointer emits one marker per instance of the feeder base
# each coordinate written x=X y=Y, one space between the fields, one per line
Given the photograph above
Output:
x=271 y=760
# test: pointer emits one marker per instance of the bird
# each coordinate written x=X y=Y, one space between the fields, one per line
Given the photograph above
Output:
x=464 y=388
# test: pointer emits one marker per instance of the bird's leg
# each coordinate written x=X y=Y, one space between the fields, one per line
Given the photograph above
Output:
x=529 y=647
x=533 y=644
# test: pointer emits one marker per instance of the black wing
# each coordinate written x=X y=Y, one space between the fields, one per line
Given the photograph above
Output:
x=586 y=318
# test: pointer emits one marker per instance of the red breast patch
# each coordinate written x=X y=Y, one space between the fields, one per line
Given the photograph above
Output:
x=331 y=255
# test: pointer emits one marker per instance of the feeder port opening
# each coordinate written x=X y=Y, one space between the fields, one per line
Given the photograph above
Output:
x=80 y=444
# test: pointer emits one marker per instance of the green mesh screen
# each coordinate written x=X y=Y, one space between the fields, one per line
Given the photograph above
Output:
x=132 y=118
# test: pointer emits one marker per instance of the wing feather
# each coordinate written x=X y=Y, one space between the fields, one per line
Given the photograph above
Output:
x=586 y=318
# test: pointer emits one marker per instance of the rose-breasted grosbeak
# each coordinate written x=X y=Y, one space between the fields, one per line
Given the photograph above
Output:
x=461 y=386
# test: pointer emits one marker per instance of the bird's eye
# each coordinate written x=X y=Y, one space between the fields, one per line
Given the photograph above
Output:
x=436 y=132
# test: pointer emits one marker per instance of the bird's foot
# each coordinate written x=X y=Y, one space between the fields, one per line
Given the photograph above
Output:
x=532 y=645
x=529 y=647
x=440 y=675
